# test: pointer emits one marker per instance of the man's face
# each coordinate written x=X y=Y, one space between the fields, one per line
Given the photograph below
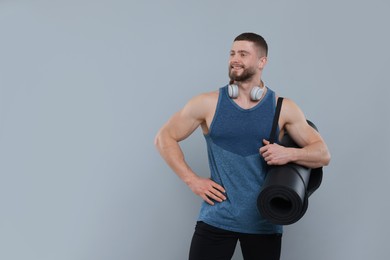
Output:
x=244 y=62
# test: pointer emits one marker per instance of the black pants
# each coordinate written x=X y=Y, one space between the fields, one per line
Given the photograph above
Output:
x=211 y=243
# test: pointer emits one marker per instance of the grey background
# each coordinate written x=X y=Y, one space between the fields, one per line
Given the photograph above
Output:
x=85 y=85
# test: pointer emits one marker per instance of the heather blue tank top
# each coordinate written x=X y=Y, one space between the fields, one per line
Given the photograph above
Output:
x=233 y=143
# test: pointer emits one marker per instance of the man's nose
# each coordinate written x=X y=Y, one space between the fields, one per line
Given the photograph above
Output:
x=234 y=58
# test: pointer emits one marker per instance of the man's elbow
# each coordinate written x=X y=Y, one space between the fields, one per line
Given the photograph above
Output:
x=158 y=140
x=326 y=158
x=163 y=140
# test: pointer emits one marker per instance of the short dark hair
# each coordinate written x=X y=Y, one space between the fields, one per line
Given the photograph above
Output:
x=256 y=39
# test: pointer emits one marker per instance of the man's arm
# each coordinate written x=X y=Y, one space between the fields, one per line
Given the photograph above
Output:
x=314 y=152
x=180 y=126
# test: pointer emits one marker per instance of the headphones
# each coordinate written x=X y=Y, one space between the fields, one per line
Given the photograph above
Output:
x=255 y=94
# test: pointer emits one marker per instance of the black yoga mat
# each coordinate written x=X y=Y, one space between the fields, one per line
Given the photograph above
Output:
x=283 y=199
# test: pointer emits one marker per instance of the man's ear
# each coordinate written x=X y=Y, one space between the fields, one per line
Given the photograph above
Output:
x=262 y=62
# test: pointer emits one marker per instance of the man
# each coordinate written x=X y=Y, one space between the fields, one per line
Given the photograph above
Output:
x=236 y=121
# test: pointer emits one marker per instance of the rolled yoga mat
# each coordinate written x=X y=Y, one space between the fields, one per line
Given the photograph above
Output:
x=283 y=199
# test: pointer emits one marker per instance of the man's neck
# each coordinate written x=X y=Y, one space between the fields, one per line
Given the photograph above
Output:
x=247 y=86
x=244 y=100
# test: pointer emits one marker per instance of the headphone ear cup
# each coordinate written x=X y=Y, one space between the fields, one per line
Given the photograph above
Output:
x=233 y=91
x=256 y=93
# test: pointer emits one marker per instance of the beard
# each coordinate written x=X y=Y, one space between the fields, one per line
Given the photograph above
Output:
x=245 y=75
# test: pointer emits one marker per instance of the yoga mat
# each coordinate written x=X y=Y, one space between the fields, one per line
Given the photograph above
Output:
x=284 y=197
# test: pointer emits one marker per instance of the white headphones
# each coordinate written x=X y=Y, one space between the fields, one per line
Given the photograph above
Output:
x=255 y=94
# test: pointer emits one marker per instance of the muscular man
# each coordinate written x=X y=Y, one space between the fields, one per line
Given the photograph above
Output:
x=236 y=121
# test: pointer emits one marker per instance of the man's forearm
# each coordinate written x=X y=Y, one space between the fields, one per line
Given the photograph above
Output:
x=173 y=155
x=312 y=156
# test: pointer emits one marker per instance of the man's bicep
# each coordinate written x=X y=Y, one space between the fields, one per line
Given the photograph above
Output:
x=298 y=128
x=183 y=123
x=180 y=126
x=303 y=134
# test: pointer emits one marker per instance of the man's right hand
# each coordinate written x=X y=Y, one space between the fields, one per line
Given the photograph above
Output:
x=207 y=189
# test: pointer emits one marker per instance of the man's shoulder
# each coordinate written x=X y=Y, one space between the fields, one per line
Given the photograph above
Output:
x=290 y=112
x=203 y=104
x=210 y=94
x=205 y=98
x=289 y=104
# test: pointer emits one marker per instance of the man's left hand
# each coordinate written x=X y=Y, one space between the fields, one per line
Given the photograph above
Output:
x=275 y=154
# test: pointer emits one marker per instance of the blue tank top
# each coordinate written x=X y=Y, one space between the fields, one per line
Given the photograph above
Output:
x=233 y=143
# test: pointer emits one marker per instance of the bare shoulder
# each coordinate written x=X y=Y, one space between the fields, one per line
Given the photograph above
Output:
x=202 y=109
x=290 y=107
x=205 y=98
x=201 y=105
x=291 y=113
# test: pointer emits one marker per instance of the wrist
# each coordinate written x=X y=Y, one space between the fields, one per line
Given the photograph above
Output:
x=295 y=154
x=190 y=178
x=299 y=154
